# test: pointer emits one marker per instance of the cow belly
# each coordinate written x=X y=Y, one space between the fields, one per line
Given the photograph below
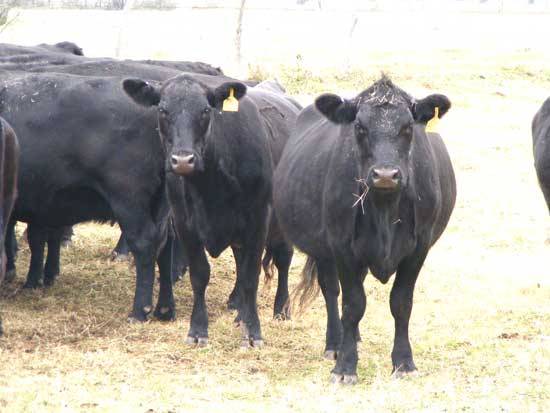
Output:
x=67 y=207
x=220 y=229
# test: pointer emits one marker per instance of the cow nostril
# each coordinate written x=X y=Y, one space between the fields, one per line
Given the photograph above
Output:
x=191 y=159
x=174 y=160
x=395 y=174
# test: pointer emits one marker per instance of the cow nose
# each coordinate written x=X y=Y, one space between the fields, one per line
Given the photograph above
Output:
x=386 y=178
x=183 y=165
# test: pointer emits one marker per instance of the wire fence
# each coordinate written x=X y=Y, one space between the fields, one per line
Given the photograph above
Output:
x=490 y=6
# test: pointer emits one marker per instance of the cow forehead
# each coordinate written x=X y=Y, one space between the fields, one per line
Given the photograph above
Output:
x=181 y=89
x=385 y=118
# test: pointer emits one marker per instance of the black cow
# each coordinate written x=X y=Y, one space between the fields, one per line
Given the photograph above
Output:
x=541 y=148
x=361 y=186
x=220 y=186
x=54 y=236
x=9 y=156
x=63 y=47
x=87 y=153
x=183 y=66
x=7 y=49
x=109 y=67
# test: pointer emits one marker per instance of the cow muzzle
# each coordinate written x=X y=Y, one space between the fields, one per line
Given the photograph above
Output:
x=385 y=178
x=183 y=165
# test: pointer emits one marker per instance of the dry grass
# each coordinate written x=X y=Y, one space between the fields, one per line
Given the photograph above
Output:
x=480 y=327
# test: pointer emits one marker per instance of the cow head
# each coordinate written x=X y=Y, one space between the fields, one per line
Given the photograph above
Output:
x=382 y=120
x=186 y=108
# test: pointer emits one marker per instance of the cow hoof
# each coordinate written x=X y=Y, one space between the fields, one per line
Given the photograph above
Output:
x=196 y=341
x=258 y=343
x=346 y=379
x=10 y=276
x=49 y=281
x=133 y=319
x=248 y=343
x=33 y=284
x=404 y=369
x=115 y=256
x=330 y=355
x=141 y=316
x=165 y=313
x=281 y=316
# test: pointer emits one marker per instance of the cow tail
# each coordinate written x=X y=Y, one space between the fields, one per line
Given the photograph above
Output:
x=308 y=287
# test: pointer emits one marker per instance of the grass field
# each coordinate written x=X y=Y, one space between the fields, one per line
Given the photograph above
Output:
x=480 y=328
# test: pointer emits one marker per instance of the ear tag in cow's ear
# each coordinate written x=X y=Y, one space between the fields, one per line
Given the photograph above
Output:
x=230 y=104
x=431 y=126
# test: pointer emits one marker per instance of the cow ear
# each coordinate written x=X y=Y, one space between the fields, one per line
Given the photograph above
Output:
x=222 y=92
x=142 y=92
x=336 y=109
x=424 y=109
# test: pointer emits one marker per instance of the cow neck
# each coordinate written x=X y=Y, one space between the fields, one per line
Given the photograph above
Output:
x=219 y=174
x=376 y=232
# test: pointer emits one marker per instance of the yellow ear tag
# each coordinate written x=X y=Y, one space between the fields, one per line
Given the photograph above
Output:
x=431 y=126
x=230 y=104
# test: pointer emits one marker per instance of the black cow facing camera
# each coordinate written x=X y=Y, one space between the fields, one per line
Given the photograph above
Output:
x=222 y=142
x=361 y=186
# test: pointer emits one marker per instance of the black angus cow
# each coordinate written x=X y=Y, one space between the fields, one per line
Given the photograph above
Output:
x=183 y=66
x=541 y=148
x=361 y=186
x=9 y=156
x=7 y=49
x=220 y=186
x=63 y=47
x=55 y=236
x=87 y=153
x=109 y=67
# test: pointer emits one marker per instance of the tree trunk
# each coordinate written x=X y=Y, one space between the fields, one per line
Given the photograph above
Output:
x=239 y=33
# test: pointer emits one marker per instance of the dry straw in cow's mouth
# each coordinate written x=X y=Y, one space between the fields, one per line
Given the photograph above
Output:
x=361 y=198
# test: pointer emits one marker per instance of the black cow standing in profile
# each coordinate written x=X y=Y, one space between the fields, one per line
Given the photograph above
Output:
x=541 y=148
x=87 y=153
x=9 y=157
x=220 y=187
x=362 y=186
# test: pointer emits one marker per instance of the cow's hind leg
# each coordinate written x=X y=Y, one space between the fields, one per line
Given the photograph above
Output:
x=248 y=274
x=51 y=269
x=121 y=252
x=354 y=304
x=330 y=288
x=66 y=236
x=11 y=248
x=180 y=263
x=282 y=257
x=401 y=302
x=166 y=307
x=37 y=236
x=144 y=237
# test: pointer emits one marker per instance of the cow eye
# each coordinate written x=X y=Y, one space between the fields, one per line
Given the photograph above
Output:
x=163 y=112
x=205 y=113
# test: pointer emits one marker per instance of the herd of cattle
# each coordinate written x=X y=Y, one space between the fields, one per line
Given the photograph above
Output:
x=187 y=161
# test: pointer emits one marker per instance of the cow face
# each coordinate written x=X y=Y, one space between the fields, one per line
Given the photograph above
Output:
x=186 y=109
x=382 y=121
